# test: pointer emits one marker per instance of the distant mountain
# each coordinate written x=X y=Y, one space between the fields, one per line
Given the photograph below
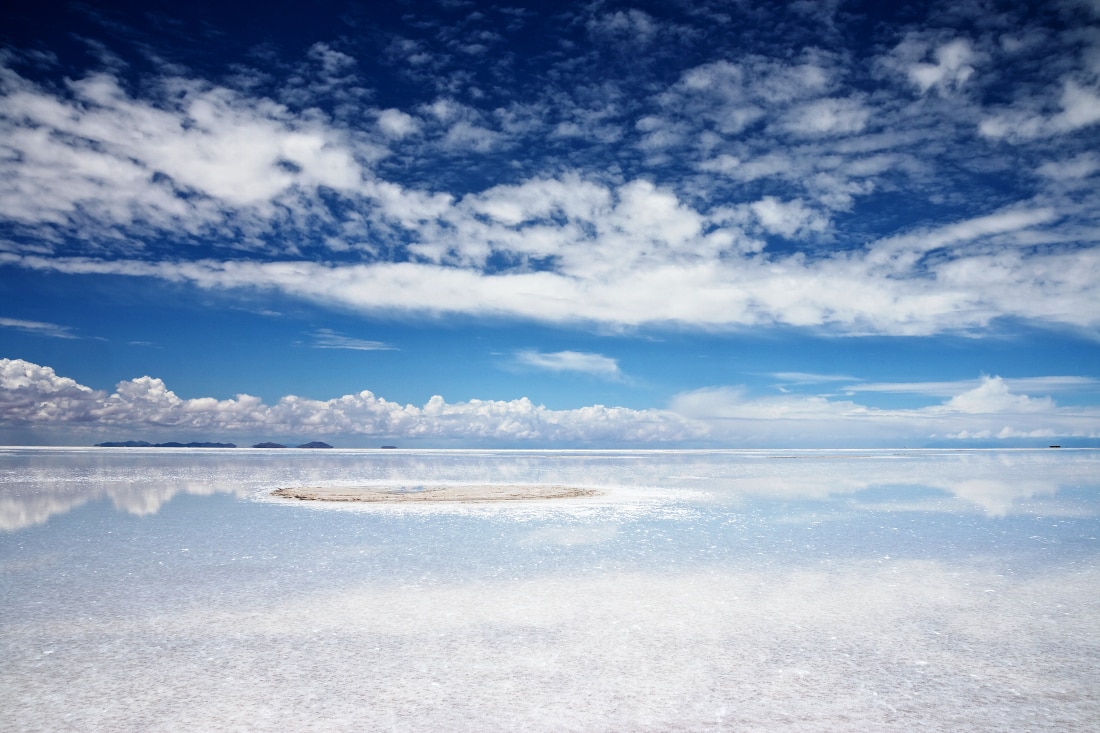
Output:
x=173 y=444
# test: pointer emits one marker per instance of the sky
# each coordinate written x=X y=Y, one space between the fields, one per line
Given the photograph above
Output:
x=567 y=224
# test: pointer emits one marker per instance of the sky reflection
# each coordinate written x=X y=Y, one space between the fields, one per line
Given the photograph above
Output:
x=36 y=484
x=160 y=591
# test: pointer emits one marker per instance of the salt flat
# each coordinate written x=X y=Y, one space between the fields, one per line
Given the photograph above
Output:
x=467 y=493
x=709 y=590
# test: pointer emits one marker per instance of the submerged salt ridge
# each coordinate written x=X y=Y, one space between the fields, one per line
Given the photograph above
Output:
x=706 y=591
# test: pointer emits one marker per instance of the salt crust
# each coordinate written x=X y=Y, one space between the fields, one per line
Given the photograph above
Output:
x=465 y=494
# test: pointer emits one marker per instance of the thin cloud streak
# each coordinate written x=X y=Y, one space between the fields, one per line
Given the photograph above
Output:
x=810 y=378
x=571 y=361
x=39 y=328
x=326 y=338
x=948 y=388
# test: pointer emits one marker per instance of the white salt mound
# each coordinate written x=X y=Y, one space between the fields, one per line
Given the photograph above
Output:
x=444 y=493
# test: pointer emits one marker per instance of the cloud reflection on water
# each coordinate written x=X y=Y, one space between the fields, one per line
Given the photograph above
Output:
x=36 y=484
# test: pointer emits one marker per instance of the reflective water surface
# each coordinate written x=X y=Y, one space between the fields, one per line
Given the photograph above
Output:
x=165 y=590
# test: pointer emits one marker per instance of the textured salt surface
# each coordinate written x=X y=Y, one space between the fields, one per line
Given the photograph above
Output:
x=701 y=592
x=858 y=647
x=420 y=493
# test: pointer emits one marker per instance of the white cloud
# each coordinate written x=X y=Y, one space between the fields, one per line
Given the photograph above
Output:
x=992 y=396
x=467 y=136
x=988 y=410
x=1045 y=385
x=571 y=361
x=1077 y=168
x=105 y=155
x=333 y=61
x=396 y=124
x=903 y=250
x=645 y=256
x=952 y=69
x=1080 y=107
x=733 y=97
x=811 y=378
x=34 y=396
x=627 y=26
x=200 y=162
x=827 y=117
x=788 y=219
x=326 y=338
x=724 y=163
x=38 y=327
x=569 y=196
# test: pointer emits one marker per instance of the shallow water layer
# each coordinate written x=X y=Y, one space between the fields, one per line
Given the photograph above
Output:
x=163 y=590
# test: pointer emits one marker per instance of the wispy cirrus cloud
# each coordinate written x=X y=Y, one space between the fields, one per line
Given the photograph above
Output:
x=39 y=328
x=571 y=361
x=811 y=378
x=326 y=338
x=1042 y=385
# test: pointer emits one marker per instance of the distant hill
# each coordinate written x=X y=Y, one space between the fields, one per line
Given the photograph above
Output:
x=173 y=444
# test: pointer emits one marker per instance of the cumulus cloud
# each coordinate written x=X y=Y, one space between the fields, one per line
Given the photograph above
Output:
x=733 y=96
x=1080 y=108
x=35 y=396
x=194 y=157
x=953 y=66
x=827 y=117
x=789 y=218
x=625 y=26
x=332 y=61
x=1077 y=168
x=992 y=396
x=467 y=136
x=397 y=124
x=988 y=410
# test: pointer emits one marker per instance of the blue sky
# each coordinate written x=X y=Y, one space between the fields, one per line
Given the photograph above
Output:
x=590 y=224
